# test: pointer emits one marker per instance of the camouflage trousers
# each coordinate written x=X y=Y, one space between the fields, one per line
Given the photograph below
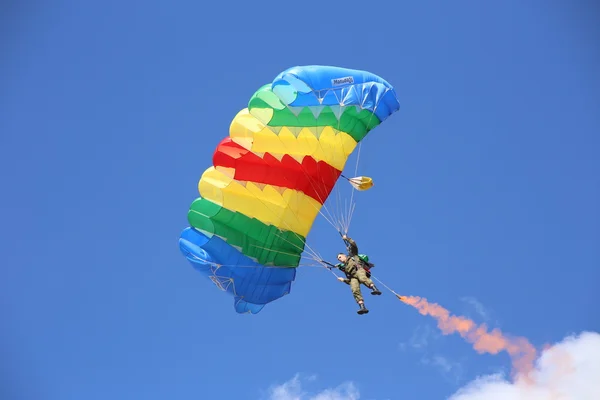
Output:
x=359 y=276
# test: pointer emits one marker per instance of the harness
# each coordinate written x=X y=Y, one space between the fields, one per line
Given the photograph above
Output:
x=364 y=263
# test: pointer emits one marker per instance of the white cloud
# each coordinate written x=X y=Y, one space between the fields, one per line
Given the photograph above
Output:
x=570 y=370
x=292 y=390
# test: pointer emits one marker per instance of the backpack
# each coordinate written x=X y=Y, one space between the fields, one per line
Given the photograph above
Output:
x=366 y=264
x=365 y=259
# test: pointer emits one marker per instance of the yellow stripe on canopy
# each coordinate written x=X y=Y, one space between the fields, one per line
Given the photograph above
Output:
x=284 y=208
x=321 y=143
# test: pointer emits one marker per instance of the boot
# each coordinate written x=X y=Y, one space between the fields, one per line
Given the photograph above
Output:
x=362 y=309
x=375 y=291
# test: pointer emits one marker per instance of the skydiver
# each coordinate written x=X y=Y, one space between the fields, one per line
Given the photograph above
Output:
x=355 y=271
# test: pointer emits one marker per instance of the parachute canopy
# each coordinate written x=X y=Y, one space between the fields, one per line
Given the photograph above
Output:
x=270 y=177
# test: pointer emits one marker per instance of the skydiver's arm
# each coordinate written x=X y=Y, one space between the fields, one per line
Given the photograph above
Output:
x=352 y=247
x=345 y=280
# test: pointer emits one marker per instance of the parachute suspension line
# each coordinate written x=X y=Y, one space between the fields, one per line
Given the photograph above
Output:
x=352 y=204
x=333 y=273
x=329 y=266
x=334 y=198
x=217 y=265
x=323 y=215
x=344 y=215
x=344 y=219
x=341 y=220
x=317 y=259
x=336 y=187
x=358 y=157
x=312 y=257
x=350 y=213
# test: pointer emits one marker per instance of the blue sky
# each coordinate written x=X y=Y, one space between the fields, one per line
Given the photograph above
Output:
x=486 y=196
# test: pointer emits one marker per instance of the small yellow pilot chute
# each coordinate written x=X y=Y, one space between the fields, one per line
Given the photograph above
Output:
x=361 y=182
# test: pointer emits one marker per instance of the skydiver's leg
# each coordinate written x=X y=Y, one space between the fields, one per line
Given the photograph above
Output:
x=355 y=286
x=361 y=274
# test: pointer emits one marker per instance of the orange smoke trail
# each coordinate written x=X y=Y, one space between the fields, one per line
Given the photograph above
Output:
x=522 y=353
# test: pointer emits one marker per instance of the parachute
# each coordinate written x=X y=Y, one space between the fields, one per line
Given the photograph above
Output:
x=271 y=176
